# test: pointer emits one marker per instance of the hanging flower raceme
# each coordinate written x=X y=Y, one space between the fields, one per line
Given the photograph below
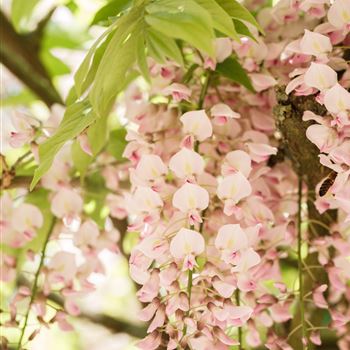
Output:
x=210 y=194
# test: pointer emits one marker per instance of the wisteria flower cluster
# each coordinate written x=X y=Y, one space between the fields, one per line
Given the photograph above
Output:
x=218 y=215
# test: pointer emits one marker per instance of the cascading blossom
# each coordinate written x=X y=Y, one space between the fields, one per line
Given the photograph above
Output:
x=216 y=209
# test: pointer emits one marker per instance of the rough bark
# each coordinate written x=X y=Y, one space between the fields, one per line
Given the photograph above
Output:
x=304 y=158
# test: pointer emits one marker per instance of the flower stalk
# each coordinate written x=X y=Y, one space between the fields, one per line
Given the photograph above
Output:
x=240 y=334
x=301 y=264
x=35 y=283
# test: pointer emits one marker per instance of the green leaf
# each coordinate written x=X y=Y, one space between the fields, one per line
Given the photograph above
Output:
x=242 y=29
x=86 y=72
x=98 y=134
x=21 y=12
x=23 y=97
x=238 y=11
x=53 y=64
x=161 y=47
x=141 y=58
x=231 y=69
x=81 y=160
x=117 y=143
x=119 y=57
x=111 y=9
x=77 y=117
x=185 y=20
x=55 y=35
x=221 y=20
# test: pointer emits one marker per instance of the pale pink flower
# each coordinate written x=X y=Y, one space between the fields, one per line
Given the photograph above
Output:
x=223 y=48
x=178 y=92
x=62 y=267
x=280 y=312
x=150 y=289
x=71 y=307
x=158 y=320
x=315 y=337
x=87 y=235
x=339 y=14
x=262 y=81
x=150 y=169
x=315 y=8
x=248 y=259
x=222 y=112
x=148 y=312
x=145 y=200
x=67 y=204
x=191 y=199
x=186 y=245
x=236 y=161
x=117 y=206
x=229 y=241
x=341 y=154
x=232 y=189
x=320 y=76
x=138 y=265
x=168 y=275
x=220 y=334
x=337 y=99
x=8 y=268
x=153 y=246
x=58 y=176
x=197 y=124
x=27 y=219
x=238 y=315
x=63 y=324
x=224 y=287
x=323 y=137
x=111 y=176
x=24 y=130
x=85 y=143
x=260 y=152
x=186 y=163
x=308 y=115
x=318 y=297
x=316 y=44
x=177 y=302
x=151 y=342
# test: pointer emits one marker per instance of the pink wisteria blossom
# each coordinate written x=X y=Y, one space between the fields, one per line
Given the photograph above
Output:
x=191 y=199
x=196 y=124
x=214 y=203
x=320 y=76
x=232 y=189
x=186 y=245
x=186 y=163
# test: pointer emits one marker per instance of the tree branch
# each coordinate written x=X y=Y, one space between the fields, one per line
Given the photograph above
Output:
x=111 y=323
x=19 y=54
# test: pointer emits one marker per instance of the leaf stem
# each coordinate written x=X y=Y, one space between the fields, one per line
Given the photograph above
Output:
x=35 y=283
x=300 y=264
x=204 y=90
x=238 y=303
